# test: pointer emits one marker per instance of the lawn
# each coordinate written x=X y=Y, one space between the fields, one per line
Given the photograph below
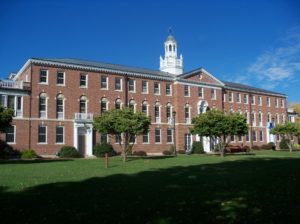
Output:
x=259 y=188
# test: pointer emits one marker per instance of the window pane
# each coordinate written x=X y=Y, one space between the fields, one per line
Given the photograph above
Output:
x=42 y=134
x=103 y=138
x=104 y=82
x=117 y=83
x=10 y=134
x=157 y=135
x=59 y=134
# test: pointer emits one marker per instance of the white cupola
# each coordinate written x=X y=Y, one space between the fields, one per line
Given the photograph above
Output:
x=171 y=63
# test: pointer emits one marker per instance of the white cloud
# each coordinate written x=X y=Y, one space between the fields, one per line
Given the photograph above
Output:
x=279 y=64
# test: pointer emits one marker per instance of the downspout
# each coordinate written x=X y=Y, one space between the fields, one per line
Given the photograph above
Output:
x=30 y=105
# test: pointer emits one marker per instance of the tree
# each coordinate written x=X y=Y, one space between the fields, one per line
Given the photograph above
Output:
x=288 y=131
x=6 y=116
x=124 y=123
x=296 y=107
x=219 y=127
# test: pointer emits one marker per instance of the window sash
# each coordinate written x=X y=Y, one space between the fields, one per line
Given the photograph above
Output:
x=82 y=80
x=42 y=134
x=118 y=85
x=59 y=134
x=169 y=135
x=43 y=76
x=157 y=136
x=168 y=89
x=103 y=82
x=10 y=134
x=60 y=78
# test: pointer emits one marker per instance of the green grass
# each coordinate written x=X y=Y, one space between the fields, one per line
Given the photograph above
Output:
x=260 y=188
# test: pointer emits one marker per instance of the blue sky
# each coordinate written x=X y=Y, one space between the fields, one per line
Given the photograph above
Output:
x=253 y=42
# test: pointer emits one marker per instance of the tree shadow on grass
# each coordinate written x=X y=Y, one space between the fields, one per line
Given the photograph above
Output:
x=246 y=191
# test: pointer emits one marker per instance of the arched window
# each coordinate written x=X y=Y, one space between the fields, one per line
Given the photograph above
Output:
x=132 y=105
x=260 y=119
x=118 y=103
x=145 y=107
x=170 y=47
x=104 y=105
x=174 y=47
x=187 y=113
x=60 y=106
x=83 y=105
x=169 y=112
x=43 y=105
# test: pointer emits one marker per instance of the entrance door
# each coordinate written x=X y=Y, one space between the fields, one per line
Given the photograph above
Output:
x=81 y=141
x=188 y=142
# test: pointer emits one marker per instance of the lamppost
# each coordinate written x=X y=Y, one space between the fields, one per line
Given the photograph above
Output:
x=174 y=130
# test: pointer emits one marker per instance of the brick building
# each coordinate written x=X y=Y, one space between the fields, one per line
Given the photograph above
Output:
x=55 y=101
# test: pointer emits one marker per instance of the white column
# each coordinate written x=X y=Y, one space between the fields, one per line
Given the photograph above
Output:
x=89 y=140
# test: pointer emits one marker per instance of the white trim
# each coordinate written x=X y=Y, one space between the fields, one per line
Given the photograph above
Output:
x=14 y=134
x=194 y=84
x=63 y=142
x=46 y=135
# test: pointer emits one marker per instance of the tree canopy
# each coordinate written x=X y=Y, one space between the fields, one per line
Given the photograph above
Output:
x=288 y=131
x=219 y=126
x=6 y=116
x=124 y=123
x=296 y=107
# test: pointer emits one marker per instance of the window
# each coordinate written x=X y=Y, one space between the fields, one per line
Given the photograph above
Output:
x=104 y=106
x=260 y=119
x=187 y=114
x=19 y=107
x=59 y=134
x=252 y=100
x=168 y=89
x=269 y=117
x=11 y=102
x=200 y=92
x=145 y=107
x=132 y=105
x=230 y=95
x=253 y=119
x=213 y=94
x=245 y=99
x=232 y=138
x=132 y=139
x=3 y=100
x=10 y=134
x=42 y=134
x=43 y=106
x=144 y=86
x=268 y=102
x=82 y=105
x=60 y=79
x=169 y=135
x=156 y=88
x=186 y=90
x=261 y=136
x=248 y=136
x=131 y=84
x=157 y=113
x=118 y=104
x=104 y=84
x=168 y=112
x=118 y=84
x=238 y=97
x=259 y=101
x=60 y=106
x=118 y=138
x=157 y=135
x=224 y=97
x=83 y=80
x=254 y=135
x=43 y=76
x=277 y=119
x=276 y=102
x=103 y=138
x=145 y=137
x=240 y=138
x=282 y=103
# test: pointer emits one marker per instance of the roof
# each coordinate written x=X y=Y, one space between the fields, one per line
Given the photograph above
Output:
x=238 y=86
x=171 y=38
x=105 y=66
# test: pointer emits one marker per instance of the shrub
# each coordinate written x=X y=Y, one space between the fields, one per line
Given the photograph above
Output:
x=28 y=154
x=284 y=143
x=197 y=148
x=139 y=153
x=246 y=148
x=6 y=151
x=167 y=152
x=255 y=147
x=233 y=148
x=99 y=150
x=68 y=152
x=267 y=146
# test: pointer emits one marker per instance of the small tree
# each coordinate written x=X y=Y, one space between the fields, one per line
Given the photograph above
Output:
x=6 y=116
x=288 y=131
x=219 y=126
x=125 y=123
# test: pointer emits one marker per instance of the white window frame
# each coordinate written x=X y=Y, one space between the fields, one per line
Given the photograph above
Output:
x=46 y=134
x=252 y=99
x=44 y=112
x=202 y=92
x=63 y=107
x=230 y=96
x=156 y=135
x=172 y=140
x=47 y=73
x=145 y=92
x=282 y=103
x=169 y=84
x=121 y=82
x=14 y=135
x=57 y=78
x=268 y=101
x=157 y=119
x=86 y=80
x=238 y=96
x=155 y=89
x=134 y=89
x=105 y=83
x=147 y=138
x=186 y=87
x=63 y=135
x=247 y=98
x=213 y=93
